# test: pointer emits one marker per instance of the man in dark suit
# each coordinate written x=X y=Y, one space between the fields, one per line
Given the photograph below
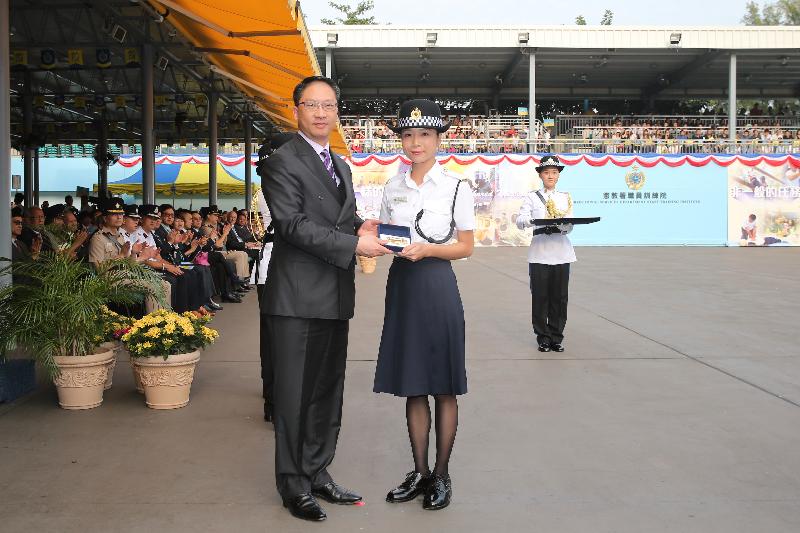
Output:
x=309 y=297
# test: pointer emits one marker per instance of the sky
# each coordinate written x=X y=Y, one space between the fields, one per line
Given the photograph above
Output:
x=444 y=13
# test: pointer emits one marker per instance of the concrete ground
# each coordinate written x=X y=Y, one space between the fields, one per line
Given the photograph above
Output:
x=676 y=407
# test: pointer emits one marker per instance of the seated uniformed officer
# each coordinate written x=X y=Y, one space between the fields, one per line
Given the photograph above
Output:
x=108 y=242
x=549 y=255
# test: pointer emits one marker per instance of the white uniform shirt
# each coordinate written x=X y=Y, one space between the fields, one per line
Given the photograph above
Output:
x=403 y=199
x=554 y=249
x=140 y=236
x=266 y=251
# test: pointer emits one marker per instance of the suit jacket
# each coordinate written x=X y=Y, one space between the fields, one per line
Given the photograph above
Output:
x=311 y=272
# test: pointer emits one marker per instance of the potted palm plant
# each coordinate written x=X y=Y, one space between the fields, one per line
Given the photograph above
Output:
x=52 y=311
x=165 y=348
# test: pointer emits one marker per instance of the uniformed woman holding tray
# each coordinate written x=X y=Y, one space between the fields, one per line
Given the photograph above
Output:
x=549 y=255
x=422 y=344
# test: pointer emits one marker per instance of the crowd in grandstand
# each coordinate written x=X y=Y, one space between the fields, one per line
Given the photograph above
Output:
x=204 y=257
x=758 y=132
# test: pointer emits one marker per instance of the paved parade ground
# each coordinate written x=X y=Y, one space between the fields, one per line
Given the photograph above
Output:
x=675 y=407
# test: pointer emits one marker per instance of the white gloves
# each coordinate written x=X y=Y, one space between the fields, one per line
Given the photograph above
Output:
x=523 y=223
x=564 y=228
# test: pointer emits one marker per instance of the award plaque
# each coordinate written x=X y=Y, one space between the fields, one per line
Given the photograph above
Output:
x=396 y=237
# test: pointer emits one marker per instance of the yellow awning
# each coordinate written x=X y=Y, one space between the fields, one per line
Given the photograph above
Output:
x=261 y=45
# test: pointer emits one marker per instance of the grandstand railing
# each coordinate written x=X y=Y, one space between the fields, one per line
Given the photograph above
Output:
x=565 y=124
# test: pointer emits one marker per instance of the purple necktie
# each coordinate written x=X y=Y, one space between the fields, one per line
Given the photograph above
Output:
x=326 y=160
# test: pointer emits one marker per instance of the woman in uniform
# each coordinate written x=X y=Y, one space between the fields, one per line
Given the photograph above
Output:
x=549 y=256
x=422 y=345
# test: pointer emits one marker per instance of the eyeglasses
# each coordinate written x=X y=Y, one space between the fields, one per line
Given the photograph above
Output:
x=311 y=104
x=16 y=222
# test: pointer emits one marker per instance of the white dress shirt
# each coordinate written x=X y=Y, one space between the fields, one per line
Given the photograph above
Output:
x=403 y=199
x=319 y=148
x=554 y=249
x=140 y=236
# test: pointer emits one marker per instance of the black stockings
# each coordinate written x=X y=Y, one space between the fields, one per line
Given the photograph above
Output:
x=418 y=417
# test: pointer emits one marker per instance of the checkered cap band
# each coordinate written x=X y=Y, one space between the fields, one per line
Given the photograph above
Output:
x=421 y=122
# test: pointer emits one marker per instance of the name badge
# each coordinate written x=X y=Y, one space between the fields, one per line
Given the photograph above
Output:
x=400 y=199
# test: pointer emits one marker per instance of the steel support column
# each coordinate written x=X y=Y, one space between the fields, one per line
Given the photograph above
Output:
x=213 y=135
x=248 y=168
x=5 y=138
x=102 y=166
x=27 y=124
x=732 y=103
x=148 y=141
x=532 y=134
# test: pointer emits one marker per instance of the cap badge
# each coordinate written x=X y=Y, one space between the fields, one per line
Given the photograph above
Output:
x=416 y=114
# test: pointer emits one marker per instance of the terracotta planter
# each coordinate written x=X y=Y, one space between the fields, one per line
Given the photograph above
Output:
x=367 y=264
x=82 y=379
x=116 y=347
x=136 y=379
x=167 y=382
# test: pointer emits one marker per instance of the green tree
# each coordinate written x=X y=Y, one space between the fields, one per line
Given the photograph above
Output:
x=580 y=21
x=778 y=13
x=608 y=18
x=352 y=15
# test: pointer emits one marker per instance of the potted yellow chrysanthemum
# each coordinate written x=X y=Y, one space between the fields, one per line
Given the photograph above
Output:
x=164 y=348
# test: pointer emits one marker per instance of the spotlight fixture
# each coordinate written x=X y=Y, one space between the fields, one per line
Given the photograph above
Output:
x=118 y=33
x=522 y=38
x=674 y=39
x=430 y=39
x=333 y=39
x=162 y=63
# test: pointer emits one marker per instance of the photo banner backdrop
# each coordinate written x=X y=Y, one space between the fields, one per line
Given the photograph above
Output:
x=764 y=203
x=642 y=200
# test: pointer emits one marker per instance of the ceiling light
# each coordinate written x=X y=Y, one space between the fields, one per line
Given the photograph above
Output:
x=430 y=39
x=675 y=39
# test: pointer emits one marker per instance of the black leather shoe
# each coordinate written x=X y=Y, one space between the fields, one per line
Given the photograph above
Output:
x=544 y=347
x=243 y=287
x=333 y=493
x=306 y=507
x=231 y=298
x=414 y=485
x=438 y=493
x=556 y=347
x=214 y=306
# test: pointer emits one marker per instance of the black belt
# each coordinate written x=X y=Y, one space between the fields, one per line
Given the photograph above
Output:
x=547 y=230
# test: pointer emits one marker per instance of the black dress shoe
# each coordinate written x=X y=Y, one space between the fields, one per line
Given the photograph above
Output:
x=243 y=287
x=214 y=306
x=556 y=347
x=306 y=507
x=438 y=493
x=414 y=485
x=231 y=298
x=544 y=347
x=333 y=493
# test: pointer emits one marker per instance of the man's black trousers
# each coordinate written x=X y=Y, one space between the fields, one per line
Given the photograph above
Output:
x=308 y=359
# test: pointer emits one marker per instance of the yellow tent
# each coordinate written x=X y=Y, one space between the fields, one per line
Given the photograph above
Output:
x=186 y=178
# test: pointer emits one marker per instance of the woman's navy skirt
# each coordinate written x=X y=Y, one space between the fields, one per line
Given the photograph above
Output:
x=422 y=344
